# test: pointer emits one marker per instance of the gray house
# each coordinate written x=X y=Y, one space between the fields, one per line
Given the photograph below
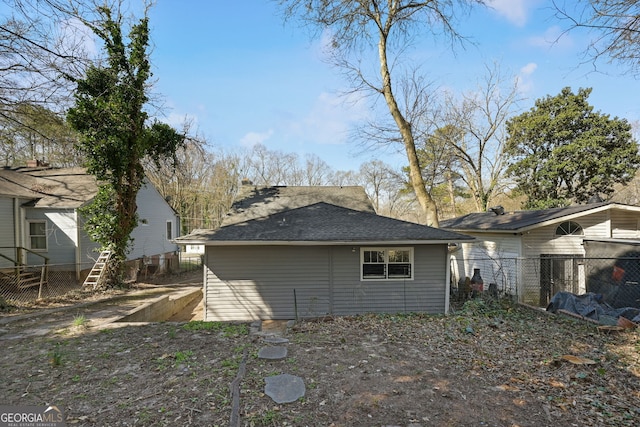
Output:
x=536 y=253
x=290 y=252
x=41 y=222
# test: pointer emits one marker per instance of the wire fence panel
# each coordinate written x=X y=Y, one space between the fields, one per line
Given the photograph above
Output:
x=532 y=281
x=535 y=281
x=21 y=286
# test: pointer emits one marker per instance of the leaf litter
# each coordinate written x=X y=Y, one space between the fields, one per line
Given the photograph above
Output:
x=487 y=363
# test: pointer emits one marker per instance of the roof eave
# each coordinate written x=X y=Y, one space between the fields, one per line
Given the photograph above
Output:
x=318 y=243
x=548 y=221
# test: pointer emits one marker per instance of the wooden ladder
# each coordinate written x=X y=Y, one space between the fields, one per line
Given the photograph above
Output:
x=98 y=268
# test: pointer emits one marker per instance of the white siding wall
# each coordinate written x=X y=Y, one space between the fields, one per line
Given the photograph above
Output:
x=624 y=225
x=61 y=235
x=246 y=283
x=151 y=238
x=496 y=255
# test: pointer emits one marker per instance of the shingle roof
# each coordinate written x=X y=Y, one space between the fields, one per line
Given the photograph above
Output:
x=322 y=222
x=518 y=220
x=258 y=202
x=49 y=187
x=13 y=184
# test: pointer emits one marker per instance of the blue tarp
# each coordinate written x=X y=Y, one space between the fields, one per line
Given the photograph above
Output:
x=591 y=306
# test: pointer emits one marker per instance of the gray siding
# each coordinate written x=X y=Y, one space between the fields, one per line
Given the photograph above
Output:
x=425 y=293
x=272 y=282
x=7 y=231
x=259 y=282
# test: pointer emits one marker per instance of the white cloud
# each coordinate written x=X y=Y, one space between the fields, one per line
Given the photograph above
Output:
x=74 y=34
x=552 y=37
x=330 y=119
x=179 y=120
x=529 y=68
x=514 y=10
x=251 y=139
x=524 y=78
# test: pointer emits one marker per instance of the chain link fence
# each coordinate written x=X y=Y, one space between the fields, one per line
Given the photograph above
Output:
x=21 y=286
x=535 y=281
x=532 y=281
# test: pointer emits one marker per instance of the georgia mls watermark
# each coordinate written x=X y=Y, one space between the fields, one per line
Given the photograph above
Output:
x=31 y=416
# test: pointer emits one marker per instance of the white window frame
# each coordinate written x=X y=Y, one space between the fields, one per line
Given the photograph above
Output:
x=385 y=261
x=31 y=236
x=168 y=230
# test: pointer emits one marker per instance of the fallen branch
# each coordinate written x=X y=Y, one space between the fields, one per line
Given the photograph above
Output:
x=235 y=392
x=577 y=316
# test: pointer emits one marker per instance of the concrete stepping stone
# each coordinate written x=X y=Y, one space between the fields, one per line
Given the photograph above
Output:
x=275 y=340
x=272 y=352
x=284 y=388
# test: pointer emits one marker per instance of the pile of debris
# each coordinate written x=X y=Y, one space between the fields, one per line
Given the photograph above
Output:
x=592 y=307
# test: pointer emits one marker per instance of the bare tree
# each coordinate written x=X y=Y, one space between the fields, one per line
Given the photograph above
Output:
x=200 y=187
x=615 y=24
x=42 y=44
x=478 y=142
x=343 y=178
x=389 y=27
x=316 y=170
x=266 y=167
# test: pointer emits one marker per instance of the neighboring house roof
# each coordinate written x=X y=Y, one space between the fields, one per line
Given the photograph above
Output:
x=49 y=187
x=61 y=187
x=519 y=221
x=13 y=184
x=322 y=223
x=257 y=202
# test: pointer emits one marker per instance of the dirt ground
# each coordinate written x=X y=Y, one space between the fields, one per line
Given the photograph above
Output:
x=488 y=364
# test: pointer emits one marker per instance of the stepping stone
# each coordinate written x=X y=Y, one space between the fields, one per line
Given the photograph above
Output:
x=272 y=353
x=275 y=340
x=284 y=388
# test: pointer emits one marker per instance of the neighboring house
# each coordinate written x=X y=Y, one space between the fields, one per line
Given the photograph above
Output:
x=547 y=245
x=290 y=252
x=39 y=211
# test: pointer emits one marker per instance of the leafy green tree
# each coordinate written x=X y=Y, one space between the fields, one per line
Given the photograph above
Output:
x=562 y=152
x=115 y=134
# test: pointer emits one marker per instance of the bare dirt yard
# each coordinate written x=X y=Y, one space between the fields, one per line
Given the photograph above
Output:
x=489 y=363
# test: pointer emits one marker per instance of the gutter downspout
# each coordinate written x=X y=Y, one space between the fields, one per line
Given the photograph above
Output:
x=17 y=229
x=447 y=285
x=79 y=245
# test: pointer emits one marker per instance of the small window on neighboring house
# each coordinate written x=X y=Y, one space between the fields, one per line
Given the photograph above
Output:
x=169 y=230
x=38 y=235
x=569 y=228
x=386 y=263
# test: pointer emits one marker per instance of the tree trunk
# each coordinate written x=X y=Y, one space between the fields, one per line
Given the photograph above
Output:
x=424 y=198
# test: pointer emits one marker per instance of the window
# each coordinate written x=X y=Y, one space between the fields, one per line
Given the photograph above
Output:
x=569 y=228
x=169 y=230
x=38 y=235
x=386 y=263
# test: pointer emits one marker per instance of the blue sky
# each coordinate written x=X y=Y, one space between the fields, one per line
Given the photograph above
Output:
x=245 y=77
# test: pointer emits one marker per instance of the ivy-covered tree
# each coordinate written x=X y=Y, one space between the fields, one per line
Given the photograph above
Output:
x=562 y=152
x=115 y=133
